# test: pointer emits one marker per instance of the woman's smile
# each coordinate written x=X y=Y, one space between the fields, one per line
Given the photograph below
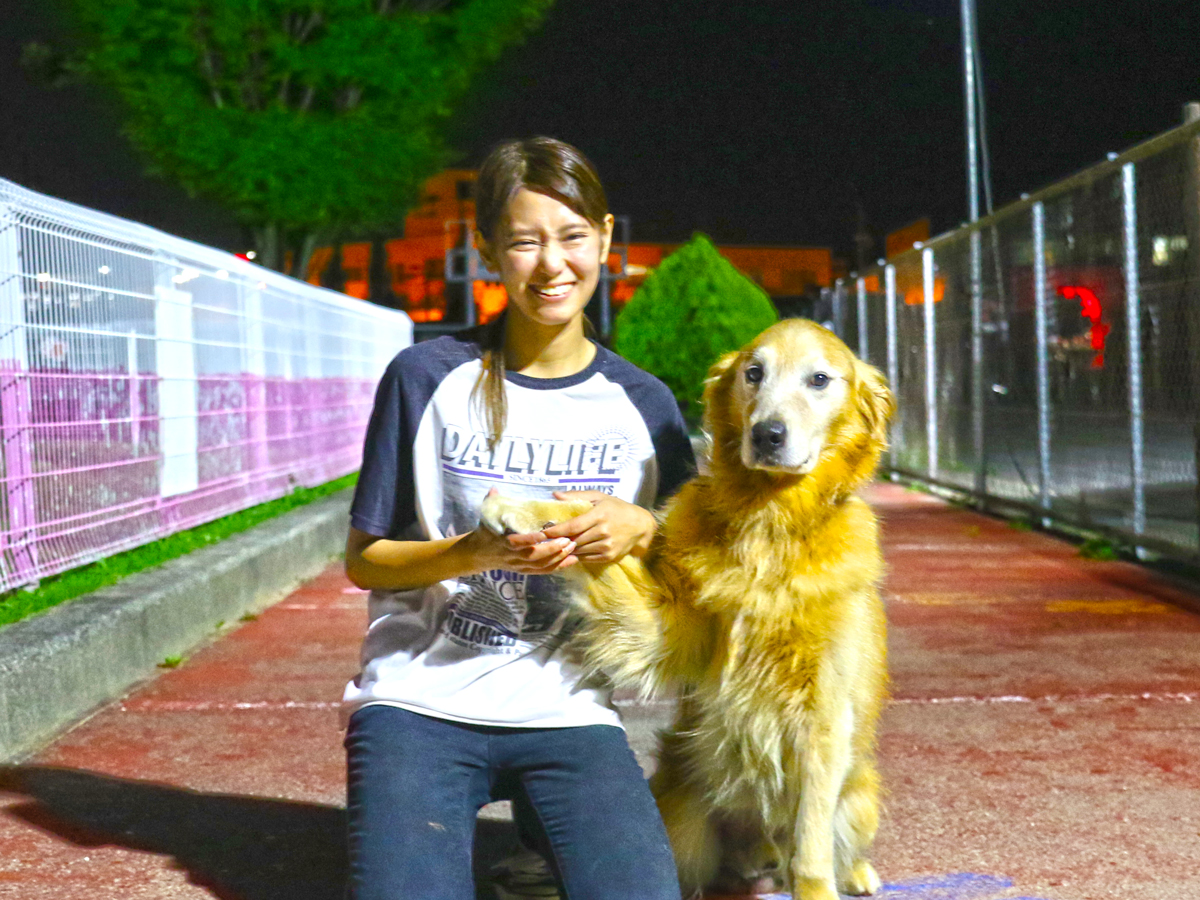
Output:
x=553 y=292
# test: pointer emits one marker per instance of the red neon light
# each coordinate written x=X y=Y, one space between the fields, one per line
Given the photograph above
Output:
x=1089 y=308
x=1087 y=298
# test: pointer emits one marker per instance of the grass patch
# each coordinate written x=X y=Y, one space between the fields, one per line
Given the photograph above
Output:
x=1098 y=548
x=21 y=604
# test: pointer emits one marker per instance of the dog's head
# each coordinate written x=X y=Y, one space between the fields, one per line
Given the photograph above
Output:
x=795 y=401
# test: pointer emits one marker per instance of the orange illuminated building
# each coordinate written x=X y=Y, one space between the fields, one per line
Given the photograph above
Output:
x=904 y=239
x=780 y=271
x=914 y=234
x=416 y=263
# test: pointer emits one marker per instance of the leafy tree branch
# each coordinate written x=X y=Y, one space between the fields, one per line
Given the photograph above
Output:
x=308 y=119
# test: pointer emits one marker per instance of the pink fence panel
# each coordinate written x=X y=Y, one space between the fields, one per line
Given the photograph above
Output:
x=148 y=384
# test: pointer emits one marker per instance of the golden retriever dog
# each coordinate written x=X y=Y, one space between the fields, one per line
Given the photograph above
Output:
x=758 y=603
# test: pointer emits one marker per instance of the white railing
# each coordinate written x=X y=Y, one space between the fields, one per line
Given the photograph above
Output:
x=149 y=384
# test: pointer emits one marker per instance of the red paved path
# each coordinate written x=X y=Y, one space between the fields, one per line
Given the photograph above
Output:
x=1044 y=741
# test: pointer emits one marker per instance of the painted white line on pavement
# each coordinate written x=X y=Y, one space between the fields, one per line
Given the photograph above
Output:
x=1050 y=698
x=223 y=705
x=356 y=607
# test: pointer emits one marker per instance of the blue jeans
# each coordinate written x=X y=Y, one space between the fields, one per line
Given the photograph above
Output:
x=416 y=783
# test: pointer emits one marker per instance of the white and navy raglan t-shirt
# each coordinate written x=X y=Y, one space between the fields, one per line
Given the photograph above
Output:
x=492 y=648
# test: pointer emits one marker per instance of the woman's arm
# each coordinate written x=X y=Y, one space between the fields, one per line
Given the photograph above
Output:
x=378 y=563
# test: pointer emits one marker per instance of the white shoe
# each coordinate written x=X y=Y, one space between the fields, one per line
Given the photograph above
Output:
x=523 y=875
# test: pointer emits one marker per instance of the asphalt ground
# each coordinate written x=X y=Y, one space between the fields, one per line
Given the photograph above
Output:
x=1043 y=741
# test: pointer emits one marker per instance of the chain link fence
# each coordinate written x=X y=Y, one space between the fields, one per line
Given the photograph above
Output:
x=149 y=384
x=1047 y=357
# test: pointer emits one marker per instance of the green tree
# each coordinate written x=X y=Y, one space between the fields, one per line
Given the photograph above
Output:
x=689 y=311
x=306 y=118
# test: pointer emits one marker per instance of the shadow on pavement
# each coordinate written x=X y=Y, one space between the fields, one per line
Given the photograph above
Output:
x=237 y=847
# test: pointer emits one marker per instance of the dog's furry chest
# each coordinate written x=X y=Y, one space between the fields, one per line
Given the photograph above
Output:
x=743 y=753
x=782 y=661
x=744 y=724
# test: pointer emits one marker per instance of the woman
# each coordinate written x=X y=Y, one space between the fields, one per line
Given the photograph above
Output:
x=469 y=690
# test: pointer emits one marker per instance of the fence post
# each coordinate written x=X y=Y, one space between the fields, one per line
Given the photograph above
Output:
x=287 y=375
x=1043 y=364
x=313 y=389
x=893 y=357
x=931 y=419
x=178 y=392
x=18 y=510
x=254 y=379
x=1133 y=320
x=977 y=392
x=860 y=286
x=839 y=326
x=135 y=400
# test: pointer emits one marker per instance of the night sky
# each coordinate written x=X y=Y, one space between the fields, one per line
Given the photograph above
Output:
x=755 y=122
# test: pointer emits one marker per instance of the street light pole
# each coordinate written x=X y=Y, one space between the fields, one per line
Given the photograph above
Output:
x=969 y=77
x=972 y=93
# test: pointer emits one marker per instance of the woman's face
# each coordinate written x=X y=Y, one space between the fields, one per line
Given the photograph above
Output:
x=548 y=256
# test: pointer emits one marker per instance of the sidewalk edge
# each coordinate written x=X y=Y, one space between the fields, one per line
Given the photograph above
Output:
x=58 y=666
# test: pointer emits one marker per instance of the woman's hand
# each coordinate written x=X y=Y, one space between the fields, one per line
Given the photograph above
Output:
x=376 y=563
x=605 y=533
x=529 y=554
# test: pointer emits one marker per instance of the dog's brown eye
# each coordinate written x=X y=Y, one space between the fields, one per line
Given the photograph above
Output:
x=819 y=380
x=754 y=374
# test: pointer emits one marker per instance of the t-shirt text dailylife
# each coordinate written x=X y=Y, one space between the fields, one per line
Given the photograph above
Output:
x=492 y=648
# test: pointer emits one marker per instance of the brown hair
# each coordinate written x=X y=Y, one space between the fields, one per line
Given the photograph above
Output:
x=549 y=167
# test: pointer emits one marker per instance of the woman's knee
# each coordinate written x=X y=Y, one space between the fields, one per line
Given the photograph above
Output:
x=601 y=819
x=412 y=796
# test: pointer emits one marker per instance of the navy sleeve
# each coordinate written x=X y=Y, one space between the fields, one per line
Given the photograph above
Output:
x=654 y=400
x=384 y=502
x=673 y=449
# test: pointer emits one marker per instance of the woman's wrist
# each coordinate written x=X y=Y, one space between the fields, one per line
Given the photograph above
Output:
x=642 y=544
x=466 y=556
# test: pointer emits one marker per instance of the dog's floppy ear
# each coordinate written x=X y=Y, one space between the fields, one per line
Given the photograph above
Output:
x=873 y=399
x=720 y=368
x=717 y=373
x=716 y=396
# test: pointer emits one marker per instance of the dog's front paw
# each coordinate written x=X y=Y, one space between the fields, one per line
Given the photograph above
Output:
x=501 y=515
x=861 y=880
x=504 y=515
x=814 y=889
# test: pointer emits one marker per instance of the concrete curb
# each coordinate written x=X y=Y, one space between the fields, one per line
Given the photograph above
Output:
x=58 y=666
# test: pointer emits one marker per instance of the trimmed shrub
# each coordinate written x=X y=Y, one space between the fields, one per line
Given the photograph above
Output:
x=689 y=311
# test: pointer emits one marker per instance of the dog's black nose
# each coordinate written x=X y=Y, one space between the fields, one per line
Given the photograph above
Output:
x=768 y=436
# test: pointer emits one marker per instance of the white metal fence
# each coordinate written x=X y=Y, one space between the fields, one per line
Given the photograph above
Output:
x=149 y=384
x=1048 y=356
